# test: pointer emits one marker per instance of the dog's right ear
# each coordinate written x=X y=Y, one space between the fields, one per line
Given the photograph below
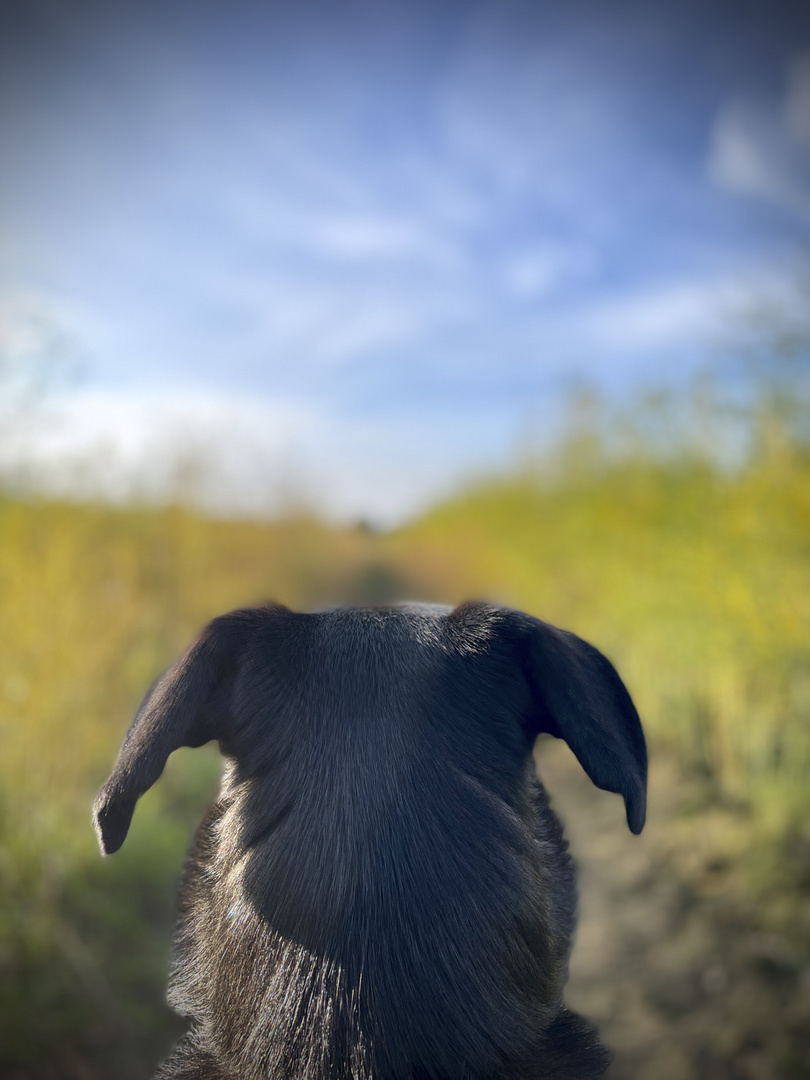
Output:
x=577 y=696
x=188 y=706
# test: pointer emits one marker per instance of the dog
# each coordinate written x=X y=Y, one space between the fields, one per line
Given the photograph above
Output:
x=381 y=890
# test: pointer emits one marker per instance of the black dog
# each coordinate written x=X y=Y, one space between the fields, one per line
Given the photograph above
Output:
x=382 y=891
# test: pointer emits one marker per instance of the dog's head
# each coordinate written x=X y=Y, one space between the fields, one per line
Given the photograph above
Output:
x=476 y=682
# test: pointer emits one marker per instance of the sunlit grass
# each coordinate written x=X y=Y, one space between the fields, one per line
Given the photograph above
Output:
x=694 y=580
x=94 y=603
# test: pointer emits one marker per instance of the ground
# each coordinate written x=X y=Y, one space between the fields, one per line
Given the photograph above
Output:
x=671 y=961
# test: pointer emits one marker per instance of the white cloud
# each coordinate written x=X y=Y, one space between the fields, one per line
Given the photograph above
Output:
x=533 y=272
x=32 y=325
x=359 y=237
x=693 y=316
x=763 y=148
x=232 y=450
x=662 y=316
x=251 y=454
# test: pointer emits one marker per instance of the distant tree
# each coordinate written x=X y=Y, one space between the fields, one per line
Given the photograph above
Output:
x=771 y=352
x=37 y=357
x=36 y=353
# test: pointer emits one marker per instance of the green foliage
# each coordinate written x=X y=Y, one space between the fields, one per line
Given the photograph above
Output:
x=94 y=603
x=692 y=577
x=692 y=574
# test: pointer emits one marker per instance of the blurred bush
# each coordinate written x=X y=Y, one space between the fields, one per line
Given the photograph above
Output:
x=95 y=603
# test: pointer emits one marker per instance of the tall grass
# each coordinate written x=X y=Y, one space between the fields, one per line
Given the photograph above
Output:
x=693 y=575
x=94 y=603
x=693 y=579
x=689 y=570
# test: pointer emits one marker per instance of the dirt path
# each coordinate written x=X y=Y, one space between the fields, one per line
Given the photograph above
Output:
x=669 y=962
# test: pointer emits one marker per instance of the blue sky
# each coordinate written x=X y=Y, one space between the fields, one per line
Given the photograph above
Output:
x=352 y=252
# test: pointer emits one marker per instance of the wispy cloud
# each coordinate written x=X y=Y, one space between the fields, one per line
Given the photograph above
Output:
x=763 y=148
x=673 y=314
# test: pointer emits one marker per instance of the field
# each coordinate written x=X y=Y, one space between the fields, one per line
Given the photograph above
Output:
x=691 y=573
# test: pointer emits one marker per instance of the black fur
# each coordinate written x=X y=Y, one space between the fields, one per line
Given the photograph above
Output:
x=382 y=891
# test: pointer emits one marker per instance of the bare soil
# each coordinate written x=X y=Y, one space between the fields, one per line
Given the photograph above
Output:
x=671 y=961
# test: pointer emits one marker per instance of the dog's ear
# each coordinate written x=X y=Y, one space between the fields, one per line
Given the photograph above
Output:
x=188 y=706
x=577 y=695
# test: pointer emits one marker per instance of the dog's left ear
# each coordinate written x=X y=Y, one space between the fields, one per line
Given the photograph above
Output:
x=188 y=706
x=578 y=696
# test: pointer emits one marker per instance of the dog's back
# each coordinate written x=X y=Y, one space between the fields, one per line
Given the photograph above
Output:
x=382 y=891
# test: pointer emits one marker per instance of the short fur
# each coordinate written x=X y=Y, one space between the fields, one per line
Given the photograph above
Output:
x=381 y=891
